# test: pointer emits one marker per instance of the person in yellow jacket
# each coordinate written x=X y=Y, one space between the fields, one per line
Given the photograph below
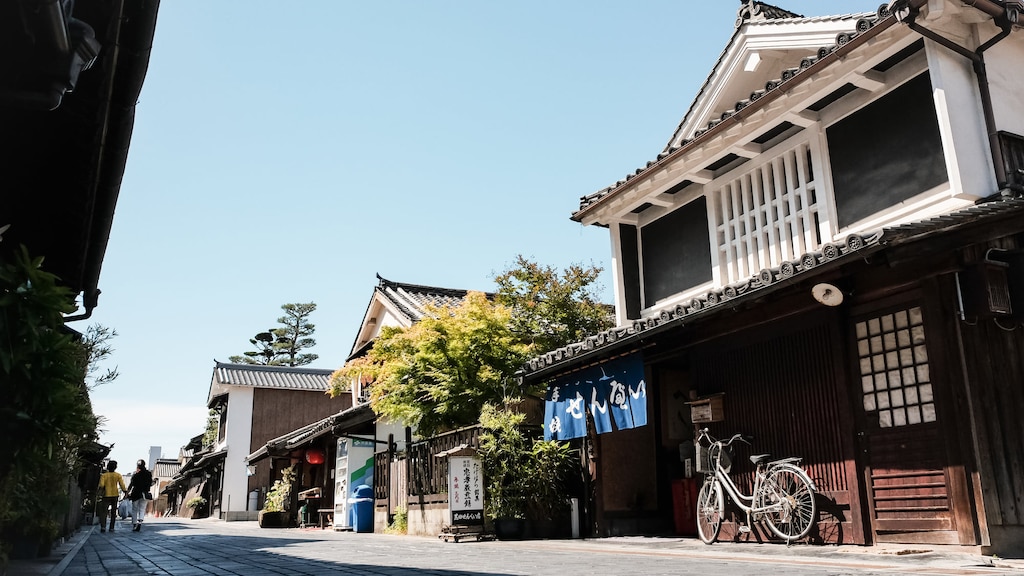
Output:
x=108 y=492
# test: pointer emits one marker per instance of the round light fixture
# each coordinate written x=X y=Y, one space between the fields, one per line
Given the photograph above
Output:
x=827 y=294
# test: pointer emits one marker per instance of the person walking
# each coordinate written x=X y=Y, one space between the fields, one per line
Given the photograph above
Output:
x=108 y=492
x=138 y=489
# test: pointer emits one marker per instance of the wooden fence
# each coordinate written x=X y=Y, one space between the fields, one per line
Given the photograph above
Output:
x=418 y=471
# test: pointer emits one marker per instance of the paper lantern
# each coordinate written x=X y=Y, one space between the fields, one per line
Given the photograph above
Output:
x=315 y=456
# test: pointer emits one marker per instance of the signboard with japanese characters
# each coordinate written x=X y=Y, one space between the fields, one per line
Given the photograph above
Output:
x=466 y=490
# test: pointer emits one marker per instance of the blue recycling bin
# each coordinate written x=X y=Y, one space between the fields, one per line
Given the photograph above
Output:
x=361 y=508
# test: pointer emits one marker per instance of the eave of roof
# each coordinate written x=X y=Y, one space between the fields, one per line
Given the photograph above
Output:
x=803 y=72
x=68 y=163
x=413 y=299
x=982 y=217
x=305 y=435
x=408 y=300
x=260 y=376
x=676 y=139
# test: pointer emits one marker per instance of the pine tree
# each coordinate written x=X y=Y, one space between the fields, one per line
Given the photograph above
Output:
x=283 y=346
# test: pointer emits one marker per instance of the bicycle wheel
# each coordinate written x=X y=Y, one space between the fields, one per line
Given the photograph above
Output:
x=710 y=509
x=788 y=497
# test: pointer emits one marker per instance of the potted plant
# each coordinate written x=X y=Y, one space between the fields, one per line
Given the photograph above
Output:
x=196 y=503
x=526 y=478
x=275 y=509
x=505 y=454
x=551 y=465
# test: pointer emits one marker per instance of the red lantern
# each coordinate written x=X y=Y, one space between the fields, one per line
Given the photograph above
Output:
x=315 y=456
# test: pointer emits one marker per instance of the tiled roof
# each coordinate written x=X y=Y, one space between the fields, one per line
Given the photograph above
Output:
x=759 y=11
x=860 y=23
x=166 y=468
x=829 y=255
x=987 y=212
x=283 y=377
x=413 y=299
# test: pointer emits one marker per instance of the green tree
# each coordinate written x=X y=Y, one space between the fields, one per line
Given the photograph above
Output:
x=212 y=431
x=552 y=309
x=283 y=346
x=96 y=342
x=439 y=373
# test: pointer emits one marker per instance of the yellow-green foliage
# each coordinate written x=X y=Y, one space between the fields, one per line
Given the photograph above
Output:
x=438 y=373
x=400 y=523
x=279 y=496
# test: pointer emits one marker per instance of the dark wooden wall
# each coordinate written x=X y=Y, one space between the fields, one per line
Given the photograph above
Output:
x=276 y=412
x=991 y=401
x=784 y=384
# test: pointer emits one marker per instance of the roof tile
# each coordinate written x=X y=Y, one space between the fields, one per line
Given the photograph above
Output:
x=283 y=377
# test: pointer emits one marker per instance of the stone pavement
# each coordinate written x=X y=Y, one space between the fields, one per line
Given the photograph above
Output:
x=173 y=546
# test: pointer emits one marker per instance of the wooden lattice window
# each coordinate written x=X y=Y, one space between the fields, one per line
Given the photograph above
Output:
x=895 y=380
x=768 y=215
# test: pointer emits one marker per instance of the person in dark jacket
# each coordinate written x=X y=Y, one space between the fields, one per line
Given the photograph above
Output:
x=138 y=487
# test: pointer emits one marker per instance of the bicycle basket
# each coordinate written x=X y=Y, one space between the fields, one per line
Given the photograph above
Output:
x=706 y=462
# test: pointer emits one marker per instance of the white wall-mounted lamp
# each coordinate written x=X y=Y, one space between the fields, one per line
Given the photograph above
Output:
x=827 y=294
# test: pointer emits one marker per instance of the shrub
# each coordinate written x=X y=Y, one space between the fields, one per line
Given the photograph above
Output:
x=279 y=495
x=400 y=523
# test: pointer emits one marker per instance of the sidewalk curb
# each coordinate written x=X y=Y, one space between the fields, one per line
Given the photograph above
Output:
x=59 y=568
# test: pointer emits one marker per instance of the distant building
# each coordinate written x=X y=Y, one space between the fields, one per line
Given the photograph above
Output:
x=155 y=453
x=256 y=404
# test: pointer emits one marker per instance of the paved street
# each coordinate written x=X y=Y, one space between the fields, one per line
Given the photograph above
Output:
x=199 y=547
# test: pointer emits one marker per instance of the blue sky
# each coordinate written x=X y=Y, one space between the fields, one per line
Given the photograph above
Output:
x=292 y=152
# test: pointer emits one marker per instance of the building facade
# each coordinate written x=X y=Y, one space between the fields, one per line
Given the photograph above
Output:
x=256 y=404
x=829 y=247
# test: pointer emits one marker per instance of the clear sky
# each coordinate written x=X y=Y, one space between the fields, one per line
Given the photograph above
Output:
x=291 y=151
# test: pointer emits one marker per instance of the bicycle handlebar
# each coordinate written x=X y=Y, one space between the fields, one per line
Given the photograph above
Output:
x=704 y=433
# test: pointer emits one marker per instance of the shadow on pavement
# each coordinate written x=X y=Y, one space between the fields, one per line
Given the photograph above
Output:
x=179 y=548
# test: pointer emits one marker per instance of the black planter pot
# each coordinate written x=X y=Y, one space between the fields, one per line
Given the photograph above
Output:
x=274 y=519
x=546 y=529
x=509 y=528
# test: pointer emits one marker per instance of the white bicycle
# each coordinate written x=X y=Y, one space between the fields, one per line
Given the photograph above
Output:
x=783 y=493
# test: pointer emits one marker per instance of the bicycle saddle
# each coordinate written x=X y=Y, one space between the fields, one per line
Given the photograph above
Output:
x=759 y=458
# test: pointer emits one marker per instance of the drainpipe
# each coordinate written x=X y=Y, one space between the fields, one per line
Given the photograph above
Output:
x=907 y=11
x=89 y=301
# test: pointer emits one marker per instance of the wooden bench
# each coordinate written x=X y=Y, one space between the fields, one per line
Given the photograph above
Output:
x=326 y=516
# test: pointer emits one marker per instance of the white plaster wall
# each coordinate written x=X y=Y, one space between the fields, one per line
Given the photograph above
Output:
x=1007 y=82
x=428 y=521
x=381 y=431
x=618 y=290
x=961 y=124
x=239 y=433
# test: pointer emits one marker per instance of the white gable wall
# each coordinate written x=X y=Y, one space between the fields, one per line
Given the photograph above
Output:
x=380 y=313
x=774 y=47
x=237 y=441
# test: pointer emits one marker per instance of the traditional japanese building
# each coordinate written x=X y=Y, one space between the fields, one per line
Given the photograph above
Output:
x=827 y=254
